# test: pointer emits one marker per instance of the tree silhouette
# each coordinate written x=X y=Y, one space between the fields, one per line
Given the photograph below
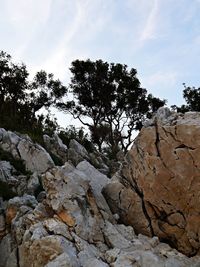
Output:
x=109 y=100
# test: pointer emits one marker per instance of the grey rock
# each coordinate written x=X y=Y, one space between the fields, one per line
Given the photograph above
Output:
x=79 y=149
x=63 y=260
x=74 y=157
x=35 y=157
x=95 y=263
x=55 y=145
x=163 y=113
x=7 y=255
x=26 y=200
x=71 y=224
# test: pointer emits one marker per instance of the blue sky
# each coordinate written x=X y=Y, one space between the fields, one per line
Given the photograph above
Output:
x=160 y=38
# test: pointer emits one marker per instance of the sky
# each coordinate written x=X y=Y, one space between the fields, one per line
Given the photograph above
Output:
x=159 y=38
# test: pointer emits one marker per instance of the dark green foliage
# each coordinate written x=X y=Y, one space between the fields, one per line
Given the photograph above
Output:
x=192 y=98
x=107 y=98
x=111 y=96
x=20 y=98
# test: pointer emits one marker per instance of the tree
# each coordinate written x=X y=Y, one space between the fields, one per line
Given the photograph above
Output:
x=44 y=92
x=192 y=98
x=20 y=99
x=109 y=100
x=13 y=83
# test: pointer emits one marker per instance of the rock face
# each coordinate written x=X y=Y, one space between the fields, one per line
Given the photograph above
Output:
x=35 y=157
x=69 y=222
x=161 y=180
x=56 y=146
x=74 y=227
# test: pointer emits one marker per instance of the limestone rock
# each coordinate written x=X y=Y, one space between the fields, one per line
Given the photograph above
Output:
x=8 y=254
x=72 y=225
x=35 y=157
x=44 y=250
x=163 y=171
x=56 y=146
x=63 y=260
x=79 y=149
x=74 y=157
x=75 y=195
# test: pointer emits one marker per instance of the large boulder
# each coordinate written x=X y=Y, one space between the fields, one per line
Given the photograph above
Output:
x=34 y=156
x=163 y=172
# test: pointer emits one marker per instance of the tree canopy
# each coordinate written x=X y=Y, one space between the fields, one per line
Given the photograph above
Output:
x=109 y=100
x=21 y=98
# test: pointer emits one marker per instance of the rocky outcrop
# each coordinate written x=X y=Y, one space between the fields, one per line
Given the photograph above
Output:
x=68 y=222
x=55 y=145
x=73 y=226
x=35 y=157
x=14 y=184
x=160 y=181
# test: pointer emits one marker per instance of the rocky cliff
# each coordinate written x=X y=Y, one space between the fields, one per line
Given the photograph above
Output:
x=74 y=215
x=159 y=184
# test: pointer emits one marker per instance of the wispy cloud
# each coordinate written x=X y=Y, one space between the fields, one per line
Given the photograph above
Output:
x=24 y=19
x=86 y=21
x=151 y=22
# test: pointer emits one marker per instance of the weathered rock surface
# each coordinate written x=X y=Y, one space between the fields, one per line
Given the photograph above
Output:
x=73 y=226
x=161 y=180
x=56 y=146
x=35 y=157
x=69 y=223
x=14 y=184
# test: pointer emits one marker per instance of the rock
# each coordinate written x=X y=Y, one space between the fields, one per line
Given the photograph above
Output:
x=71 y=224
x=42 y=251
x=8 y=181
x=74 y=157
x=13 y=184
x=8 y=255
x=2 y=225
x=79 y=149
x=163 y=113
x=33 y=184
x=75 y=196
x=114 y=238
x=35 y=157
x=127 y=204
x=55 y=145
x=162 y=171
x=63 y=260
x=95 y=263
x=99 y=162
x=15 y=203
x=21 y=147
